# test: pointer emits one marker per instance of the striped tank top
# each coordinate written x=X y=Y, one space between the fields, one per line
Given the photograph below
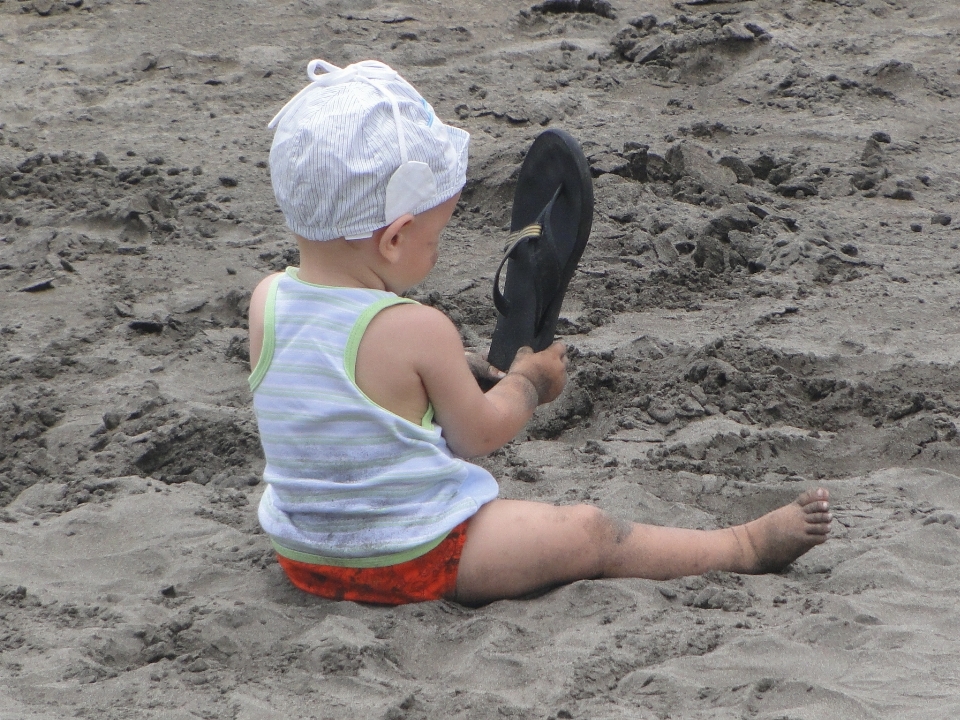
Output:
x=349 y=483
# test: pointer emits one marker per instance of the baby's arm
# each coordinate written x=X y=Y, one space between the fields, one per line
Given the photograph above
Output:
x=474 y=423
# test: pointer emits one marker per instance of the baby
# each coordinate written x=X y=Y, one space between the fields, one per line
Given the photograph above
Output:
x=367 y=404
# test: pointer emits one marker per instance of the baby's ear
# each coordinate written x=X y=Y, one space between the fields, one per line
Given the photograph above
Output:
x=389 y=241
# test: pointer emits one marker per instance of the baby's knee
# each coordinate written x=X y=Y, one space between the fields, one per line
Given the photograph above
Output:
x=603 y=530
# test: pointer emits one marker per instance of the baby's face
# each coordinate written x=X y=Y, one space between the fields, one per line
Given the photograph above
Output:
x=423 y=241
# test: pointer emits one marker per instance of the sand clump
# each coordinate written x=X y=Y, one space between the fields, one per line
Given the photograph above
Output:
x=768 y=303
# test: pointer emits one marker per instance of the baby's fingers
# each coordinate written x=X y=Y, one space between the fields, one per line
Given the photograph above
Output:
x=482 y=370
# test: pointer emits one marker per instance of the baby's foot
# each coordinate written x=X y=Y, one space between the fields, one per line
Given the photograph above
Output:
x=780 y=537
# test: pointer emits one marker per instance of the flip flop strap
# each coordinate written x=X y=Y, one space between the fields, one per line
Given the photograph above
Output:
x=530 y=232
x=544 y=257
x=549 y=269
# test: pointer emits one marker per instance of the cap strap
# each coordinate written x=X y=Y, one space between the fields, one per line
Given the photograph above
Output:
x=367 y=70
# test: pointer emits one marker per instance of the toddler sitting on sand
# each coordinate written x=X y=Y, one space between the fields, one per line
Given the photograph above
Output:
x=366 y=403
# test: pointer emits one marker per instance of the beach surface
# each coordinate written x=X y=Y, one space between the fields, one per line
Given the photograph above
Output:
x=770 y=300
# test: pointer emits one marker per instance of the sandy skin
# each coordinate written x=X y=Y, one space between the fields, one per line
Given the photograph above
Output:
x=567 y=543
x=781 y=536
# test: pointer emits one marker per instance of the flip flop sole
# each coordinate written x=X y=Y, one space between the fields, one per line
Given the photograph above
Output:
x=555 y=191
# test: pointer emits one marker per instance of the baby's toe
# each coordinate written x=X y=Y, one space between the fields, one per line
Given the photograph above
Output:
x=820 y=529
x=808 y=497
x=817 y=507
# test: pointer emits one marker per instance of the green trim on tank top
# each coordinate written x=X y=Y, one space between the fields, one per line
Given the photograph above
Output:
x=353 y=345
x=374 y=561
x=269 y=337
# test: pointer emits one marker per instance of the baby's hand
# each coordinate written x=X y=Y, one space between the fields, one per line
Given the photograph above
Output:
x=486 y=374
x=546 y=370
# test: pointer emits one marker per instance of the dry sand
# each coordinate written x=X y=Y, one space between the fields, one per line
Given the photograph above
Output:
x=770 y=299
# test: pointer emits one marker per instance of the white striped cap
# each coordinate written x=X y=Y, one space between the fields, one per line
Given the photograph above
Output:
x=359 y=147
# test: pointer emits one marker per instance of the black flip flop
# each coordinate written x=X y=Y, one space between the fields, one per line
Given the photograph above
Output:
x=552 y=216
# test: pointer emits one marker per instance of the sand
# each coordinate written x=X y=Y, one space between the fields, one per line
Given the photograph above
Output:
x=768 y=301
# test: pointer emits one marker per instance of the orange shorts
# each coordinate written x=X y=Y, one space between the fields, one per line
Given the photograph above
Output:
x=431 y=576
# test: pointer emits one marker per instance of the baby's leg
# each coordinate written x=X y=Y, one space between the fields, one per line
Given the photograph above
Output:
x=514 y=547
